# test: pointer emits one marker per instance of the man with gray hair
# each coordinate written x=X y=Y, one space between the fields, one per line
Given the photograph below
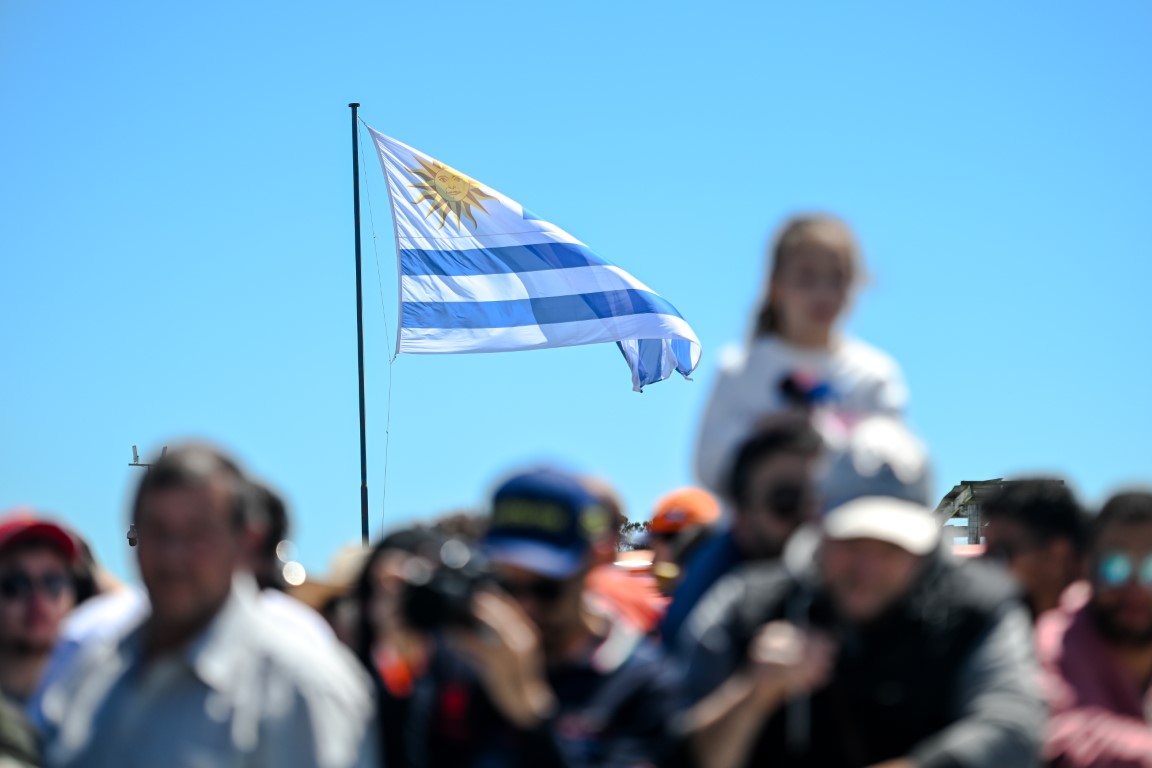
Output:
x=209 y=677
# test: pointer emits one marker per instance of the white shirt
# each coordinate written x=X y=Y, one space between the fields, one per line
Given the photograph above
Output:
x=245 y=692
x=108 y=617
x=863 y=381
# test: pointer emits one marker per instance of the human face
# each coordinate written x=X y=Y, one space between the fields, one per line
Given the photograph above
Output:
x=451 y=185
x=1123 y=611
x=809 y=291
x=865 y=577
x=189 y=548
x=386 y=600
x=779 y=498
x=36 y=592
x=552 y=605
x=1042 y=568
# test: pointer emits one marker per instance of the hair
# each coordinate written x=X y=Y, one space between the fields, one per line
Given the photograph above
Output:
x=1045 y=506
x=275 y=516
x=414 y=540
x=466 y=524
x=789 y=434
x=795 y=235
x=1127 y=508
x=195 y=465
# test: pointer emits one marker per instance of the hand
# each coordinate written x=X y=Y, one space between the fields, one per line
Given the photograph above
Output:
x=504 y=649
x=787 y=661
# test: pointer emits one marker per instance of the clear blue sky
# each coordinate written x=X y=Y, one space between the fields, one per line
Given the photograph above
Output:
x=176 y=240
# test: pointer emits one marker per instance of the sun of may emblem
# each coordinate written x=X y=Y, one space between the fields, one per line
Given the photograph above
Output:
x=449 y=191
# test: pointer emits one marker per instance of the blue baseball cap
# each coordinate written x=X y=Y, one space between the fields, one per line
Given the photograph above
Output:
x=544 y=521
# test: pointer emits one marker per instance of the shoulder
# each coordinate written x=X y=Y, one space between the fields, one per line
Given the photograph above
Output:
x=296 y=615
x=319 y=671
x=105 y=615
x=979 y=584
x=743 y=599
x=1054 y=627
x=862 y=356
x=964 y=599
x=752 y=356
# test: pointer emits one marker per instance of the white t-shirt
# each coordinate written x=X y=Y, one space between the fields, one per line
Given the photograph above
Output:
x=861 y=380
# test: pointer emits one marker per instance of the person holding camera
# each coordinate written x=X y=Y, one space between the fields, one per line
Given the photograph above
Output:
x=533 y=673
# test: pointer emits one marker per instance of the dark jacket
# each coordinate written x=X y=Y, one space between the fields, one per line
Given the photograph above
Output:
x=946 y=676
x=614 y=711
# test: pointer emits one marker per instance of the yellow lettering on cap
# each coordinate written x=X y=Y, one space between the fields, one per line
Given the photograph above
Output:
x=529 y=514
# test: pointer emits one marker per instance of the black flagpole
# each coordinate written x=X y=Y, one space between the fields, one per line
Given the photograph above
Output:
x=359 y=325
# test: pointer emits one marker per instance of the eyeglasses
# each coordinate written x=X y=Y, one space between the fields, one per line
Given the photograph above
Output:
x=1117 y=568
x=541 y=590
x=20 y=585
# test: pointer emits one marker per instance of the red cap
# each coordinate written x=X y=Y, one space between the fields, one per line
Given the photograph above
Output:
x=20 y=526
x=684 y=507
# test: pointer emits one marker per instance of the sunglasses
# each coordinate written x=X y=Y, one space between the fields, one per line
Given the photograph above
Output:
x=786 y=500
x=1007 y=552
x=1116 y=569
x=540 y=590
x=20 y=585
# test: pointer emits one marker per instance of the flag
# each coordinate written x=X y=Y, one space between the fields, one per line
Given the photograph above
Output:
x=480 y=273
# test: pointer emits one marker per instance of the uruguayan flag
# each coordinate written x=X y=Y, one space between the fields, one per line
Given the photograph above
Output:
x=480 y=273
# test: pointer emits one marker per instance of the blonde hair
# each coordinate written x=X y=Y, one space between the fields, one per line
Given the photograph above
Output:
x=798 y=232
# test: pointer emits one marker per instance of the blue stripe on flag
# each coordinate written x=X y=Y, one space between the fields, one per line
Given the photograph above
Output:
x=497 y=261
x=543 y=311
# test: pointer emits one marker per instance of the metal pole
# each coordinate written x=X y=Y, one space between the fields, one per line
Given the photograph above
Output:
x=359 y=325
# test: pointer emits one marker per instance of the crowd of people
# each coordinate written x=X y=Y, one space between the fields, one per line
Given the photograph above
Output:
x=803 y=606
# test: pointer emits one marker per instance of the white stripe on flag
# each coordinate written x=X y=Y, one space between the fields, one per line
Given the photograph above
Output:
x=436 y=340
x=518 y=285
x=408 y=241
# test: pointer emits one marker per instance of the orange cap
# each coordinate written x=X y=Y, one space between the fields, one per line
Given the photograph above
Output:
x=683 y=507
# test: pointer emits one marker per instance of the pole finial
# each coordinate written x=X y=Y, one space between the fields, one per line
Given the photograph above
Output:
x=354 y=104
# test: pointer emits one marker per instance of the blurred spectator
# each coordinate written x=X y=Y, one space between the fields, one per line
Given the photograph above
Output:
x=18 y=748
x=1096 y=647
x=886 y=652
x=38 y=587
x=209 y=677
x=772 y=492
x=267 y=567
x=331 y=595
x=272 y=524
x=633 y=596
x=467 y=525
x=401 y=658
x=1036 y=528
x=118 y=608
x=681 y=522
x=536 y=676
x=796 y=357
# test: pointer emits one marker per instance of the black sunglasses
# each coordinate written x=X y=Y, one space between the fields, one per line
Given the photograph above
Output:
x=786 y=500
x=18 y=584
x=1007 y=552
x=541 y=590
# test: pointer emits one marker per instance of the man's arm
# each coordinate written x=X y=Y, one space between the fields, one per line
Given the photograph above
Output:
x=783 y=661
x=1000 y=712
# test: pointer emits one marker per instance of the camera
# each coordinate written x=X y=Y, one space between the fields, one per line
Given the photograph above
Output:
x=438 y=594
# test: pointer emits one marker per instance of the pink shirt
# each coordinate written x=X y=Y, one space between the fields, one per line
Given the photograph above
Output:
x=1099 y=714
